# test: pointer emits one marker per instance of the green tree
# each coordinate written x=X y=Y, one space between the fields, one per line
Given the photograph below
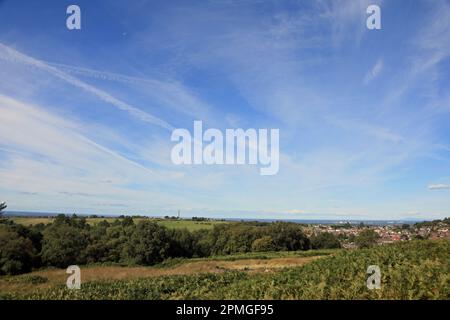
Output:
x=98 y=249
x=325 y=240
x=263 y=244
x=115 y=239
x=149 y=244
x=64 y=245
x=203 y=243
x=288 y=236
x=181 y=243
x=366 y=238
x=16 y=253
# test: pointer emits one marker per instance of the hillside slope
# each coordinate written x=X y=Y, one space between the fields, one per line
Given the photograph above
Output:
x=412 y=270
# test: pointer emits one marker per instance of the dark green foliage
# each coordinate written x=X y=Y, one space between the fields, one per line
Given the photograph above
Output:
x=366 y=238
x=233 y=238
x=149 y=244
x=64 y=243
x=182 y=243
x=288 y=236
x=325 y=240
x=16 y=253
x=263 y=244
x=33 y=233
x=203 y=243
x=199 y=219
x=445 y=221
x=239 y=237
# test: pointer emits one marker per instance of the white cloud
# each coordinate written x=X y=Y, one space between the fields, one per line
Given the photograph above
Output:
x=296 y=211
x=53 y=156
x=439 y=186
x=431 y=47
x=433 y=39
x=47 y=154
x=374 y=72
x=347 y=19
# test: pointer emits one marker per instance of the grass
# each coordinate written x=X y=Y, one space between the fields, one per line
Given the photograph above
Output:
x=169 y=223
x=28 y=221
x=189 y=224
x=270 y=255
x=411 y=270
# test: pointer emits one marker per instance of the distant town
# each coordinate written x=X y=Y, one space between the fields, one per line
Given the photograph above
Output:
x=347 y=232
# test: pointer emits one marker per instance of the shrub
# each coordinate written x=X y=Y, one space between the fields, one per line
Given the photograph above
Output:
x=263 y=244
x=34 y=279
x=325 y=240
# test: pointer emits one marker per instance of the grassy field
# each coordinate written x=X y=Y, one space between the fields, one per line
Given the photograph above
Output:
x=189 y=224
x=28 y=221
x=411 y=270
x=169 y=223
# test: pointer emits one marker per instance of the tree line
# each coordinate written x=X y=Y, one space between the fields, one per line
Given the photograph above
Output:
x=71 y=240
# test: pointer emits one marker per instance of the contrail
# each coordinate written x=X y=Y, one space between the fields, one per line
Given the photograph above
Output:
x=9 y=54
x=116 y=155
x=169 y=91
x=103 y=75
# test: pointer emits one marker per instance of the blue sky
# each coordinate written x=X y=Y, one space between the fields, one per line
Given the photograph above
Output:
x=86 y=115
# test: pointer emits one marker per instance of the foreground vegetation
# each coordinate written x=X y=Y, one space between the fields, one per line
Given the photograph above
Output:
x=72 y=240
x=252 y=262
x=411 y=270
x=142 y=259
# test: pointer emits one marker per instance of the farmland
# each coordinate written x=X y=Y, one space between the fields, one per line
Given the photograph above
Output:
x=191 y=225
x=409 y=270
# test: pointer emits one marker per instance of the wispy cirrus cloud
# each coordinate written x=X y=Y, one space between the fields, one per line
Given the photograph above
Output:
x=374 y=72
x=294 y=65
x=58 y=161
x=12 y=55
x=172 y=94
x=347 y=19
